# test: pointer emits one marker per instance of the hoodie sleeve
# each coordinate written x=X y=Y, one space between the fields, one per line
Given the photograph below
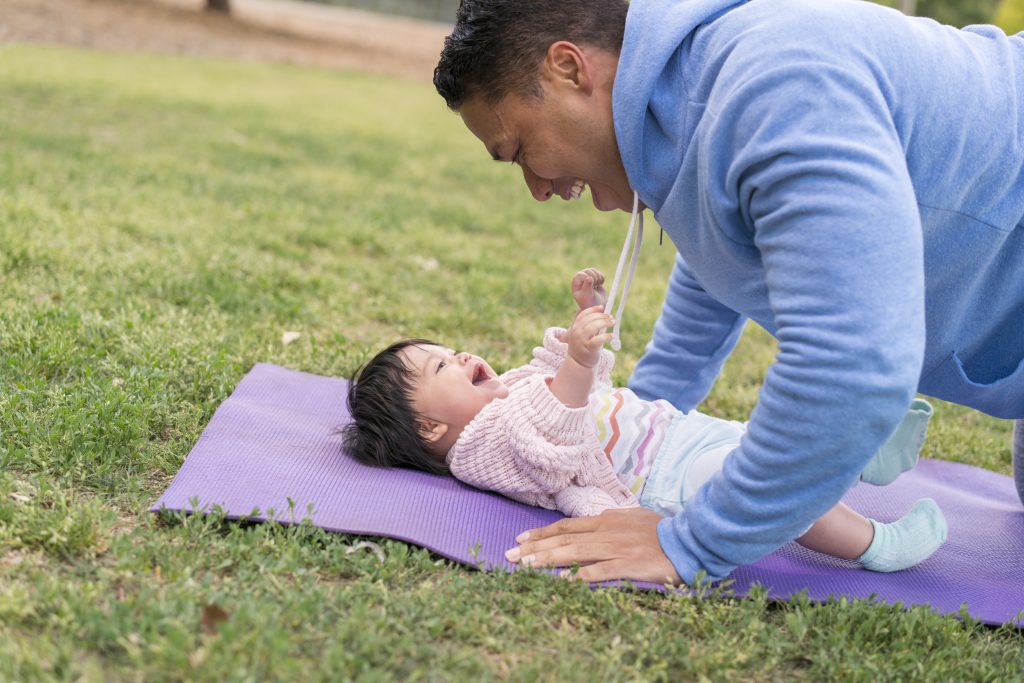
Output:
x=692 y=338
x=532 y=448
x=549 y=440
x=584 y=501
x=807 y=158
x=527 y=446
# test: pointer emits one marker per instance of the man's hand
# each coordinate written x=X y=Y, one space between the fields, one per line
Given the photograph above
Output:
x=588 y=334
x=588 y=288
x=617 y=544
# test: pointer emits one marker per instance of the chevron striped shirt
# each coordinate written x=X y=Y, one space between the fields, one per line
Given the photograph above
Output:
x=631 y=431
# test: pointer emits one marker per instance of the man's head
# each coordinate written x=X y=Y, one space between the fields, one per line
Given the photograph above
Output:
x=533 y=80
x=497 y=45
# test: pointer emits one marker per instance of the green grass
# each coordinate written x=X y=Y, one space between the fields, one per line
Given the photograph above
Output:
x=162 y=222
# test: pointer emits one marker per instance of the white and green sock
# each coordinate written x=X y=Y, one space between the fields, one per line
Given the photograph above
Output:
x=907 y=541
x=899 y=454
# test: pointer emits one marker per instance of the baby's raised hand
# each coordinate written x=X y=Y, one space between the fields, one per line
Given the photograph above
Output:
x=588 y=288
x=588 y=334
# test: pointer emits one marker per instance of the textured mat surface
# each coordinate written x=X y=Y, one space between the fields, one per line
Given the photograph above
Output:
x=276 y=438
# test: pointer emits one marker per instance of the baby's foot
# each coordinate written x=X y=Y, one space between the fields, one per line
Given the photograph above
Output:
x=900 y=452
x=908 y=541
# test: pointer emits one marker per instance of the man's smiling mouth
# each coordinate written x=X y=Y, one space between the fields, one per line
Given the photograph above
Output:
x=576 y=191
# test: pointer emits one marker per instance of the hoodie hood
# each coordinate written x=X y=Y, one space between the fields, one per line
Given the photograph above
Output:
x=645 y=97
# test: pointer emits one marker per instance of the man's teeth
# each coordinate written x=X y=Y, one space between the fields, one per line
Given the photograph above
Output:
x=577 y=189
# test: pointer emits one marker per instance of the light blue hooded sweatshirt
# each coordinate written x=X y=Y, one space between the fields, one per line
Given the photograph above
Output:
x=852 y=180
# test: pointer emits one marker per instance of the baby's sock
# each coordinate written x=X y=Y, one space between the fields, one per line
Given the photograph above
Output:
x=900 y=452
x=907 y=541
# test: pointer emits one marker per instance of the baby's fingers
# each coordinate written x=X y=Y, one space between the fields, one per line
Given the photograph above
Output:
x=586 y=315
x=596 y=275
x=578 y=279
x=593 y=322
x=597 y=327
x=599 y=340
x=584 y=281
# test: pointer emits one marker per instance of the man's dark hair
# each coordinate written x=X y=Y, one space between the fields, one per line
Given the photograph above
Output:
x=498 y=45
x=383 y=431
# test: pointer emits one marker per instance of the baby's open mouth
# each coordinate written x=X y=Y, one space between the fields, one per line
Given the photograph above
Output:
x=480 y=374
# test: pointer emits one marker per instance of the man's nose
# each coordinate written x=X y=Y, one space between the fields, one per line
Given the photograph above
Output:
x=540 y=188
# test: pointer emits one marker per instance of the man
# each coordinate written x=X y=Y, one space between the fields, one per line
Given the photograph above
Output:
x=849 y=178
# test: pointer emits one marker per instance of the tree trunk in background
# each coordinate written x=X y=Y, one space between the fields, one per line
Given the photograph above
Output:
x=219 y=6
x=908 y=7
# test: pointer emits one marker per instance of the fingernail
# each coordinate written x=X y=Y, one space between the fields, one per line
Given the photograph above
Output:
x=528 y=560
x=523 y=537
x=512 y=554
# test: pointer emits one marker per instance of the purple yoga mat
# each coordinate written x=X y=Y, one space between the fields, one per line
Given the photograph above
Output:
x=276 y=437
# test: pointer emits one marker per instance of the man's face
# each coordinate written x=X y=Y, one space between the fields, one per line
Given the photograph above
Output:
x=562 y=139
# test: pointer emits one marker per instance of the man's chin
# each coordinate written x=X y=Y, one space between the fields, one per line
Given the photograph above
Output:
x=605 y=203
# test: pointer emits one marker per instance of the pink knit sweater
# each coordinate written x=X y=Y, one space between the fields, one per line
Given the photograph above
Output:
x=533 y=448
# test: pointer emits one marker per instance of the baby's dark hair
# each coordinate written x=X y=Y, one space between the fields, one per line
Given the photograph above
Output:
x=383 y=431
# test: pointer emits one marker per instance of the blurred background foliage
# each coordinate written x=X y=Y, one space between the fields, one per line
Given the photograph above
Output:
x=952 y=12
x=1008 y=14
x=433 y=10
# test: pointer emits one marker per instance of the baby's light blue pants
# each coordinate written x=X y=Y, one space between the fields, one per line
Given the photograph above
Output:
x=696 y=446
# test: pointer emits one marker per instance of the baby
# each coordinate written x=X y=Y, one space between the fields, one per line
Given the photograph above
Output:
x=556 y=434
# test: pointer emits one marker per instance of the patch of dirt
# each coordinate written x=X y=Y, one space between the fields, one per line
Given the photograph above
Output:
x=375 y=44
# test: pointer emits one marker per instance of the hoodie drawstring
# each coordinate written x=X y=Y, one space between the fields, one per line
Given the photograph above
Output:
x=616 y=344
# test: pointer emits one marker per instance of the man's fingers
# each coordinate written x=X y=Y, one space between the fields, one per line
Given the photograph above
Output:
x=608 y=570
x=567 y=525
x=621 y=568
x=617 y=544
x=577 y=552
x=600 y=560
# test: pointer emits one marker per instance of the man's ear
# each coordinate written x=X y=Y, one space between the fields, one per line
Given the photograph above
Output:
x=431 y=431
x=567 y=64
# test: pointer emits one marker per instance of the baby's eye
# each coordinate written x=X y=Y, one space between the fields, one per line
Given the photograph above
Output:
x=440 y=364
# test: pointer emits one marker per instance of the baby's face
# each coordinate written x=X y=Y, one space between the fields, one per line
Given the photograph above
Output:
x=451 y=387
